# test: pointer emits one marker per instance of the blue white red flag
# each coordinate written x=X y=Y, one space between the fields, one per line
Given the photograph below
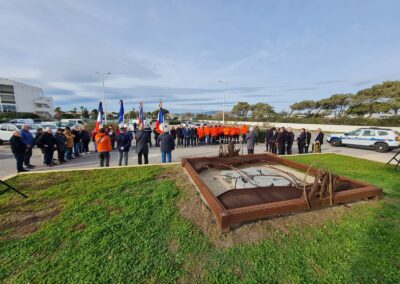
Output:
x=141 y=115
x=121 y=113
x=100 y=117
x=160 y=120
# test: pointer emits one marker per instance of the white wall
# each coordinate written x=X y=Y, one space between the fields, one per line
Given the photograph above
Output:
x=324 y=127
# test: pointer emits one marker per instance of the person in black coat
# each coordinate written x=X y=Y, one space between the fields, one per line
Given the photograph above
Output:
x=308 y=141
x=281 y=141
x=167 y=145
x=61 y=145
x=319 y=140
x=273 y=146
x=142 y=145
x=85 y=136
x=123 y=145
x=301 y=141
x=48 y=143
x=193 y=136
x=147 y=129
x=290 y=140
x=77 y=140
x=18 y=148
x=156 y=135
x=179 y=136
x=268 y=136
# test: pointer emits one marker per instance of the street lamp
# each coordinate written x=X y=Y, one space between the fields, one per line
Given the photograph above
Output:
x=223 y=106
x=104 y=94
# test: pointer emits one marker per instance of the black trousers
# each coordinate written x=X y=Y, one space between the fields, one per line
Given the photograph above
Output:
x=85 y=146
x=27 y=156
x=61 y=156
x=250 y=151
x=306 y=148
x=300 y=146
x=289 y=147
x=281 y=148
x=19 y=157
x=104 y=159
x=48 y=156
x=273 y=148
x=146 y=158
x=268 y=146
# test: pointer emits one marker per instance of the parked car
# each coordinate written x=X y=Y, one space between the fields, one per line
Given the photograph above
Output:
x=379 y=139
x=7 y=129
x=52 y=125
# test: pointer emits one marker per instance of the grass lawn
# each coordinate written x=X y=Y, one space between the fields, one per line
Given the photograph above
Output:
x=124 y=225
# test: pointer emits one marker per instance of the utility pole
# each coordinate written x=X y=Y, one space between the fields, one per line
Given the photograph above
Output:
x=103 y=75
x=223 y=106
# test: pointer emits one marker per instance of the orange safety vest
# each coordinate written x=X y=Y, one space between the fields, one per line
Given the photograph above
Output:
x=244 y=129
x=232 y=131
x=207 y=131
x=200 y=132
x=226 y=130
x=214 y=132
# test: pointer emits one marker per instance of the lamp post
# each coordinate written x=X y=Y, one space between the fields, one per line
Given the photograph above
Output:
x=223 y=106
x=103 y=75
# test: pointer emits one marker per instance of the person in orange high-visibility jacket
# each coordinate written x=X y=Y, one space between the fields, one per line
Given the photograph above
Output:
x=200 y=133
x=103 y=147
x=244 y=131
x=207 y=134
x=226 y=134
x=214 y=134
x=232 y=133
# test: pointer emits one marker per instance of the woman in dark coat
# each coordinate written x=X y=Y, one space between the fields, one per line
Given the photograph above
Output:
x=61 y=145
x=142 y=146
x=48 y=143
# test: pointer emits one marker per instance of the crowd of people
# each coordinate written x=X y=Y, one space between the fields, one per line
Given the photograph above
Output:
x=73 y=143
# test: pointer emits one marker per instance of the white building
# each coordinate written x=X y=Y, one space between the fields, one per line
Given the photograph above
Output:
x=19 y=97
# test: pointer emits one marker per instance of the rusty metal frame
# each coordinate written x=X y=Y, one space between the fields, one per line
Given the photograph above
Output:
x=227 y=217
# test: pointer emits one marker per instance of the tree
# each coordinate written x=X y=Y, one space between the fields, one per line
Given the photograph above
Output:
x=133 y=114
x=262 y=110
x=85 y=113
x=154 y=114
x=241 y=110
x=74 y=110
x=94 y=114
x=306 y=105
x=58 y=113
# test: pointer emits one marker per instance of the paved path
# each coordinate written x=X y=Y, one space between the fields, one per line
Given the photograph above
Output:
x=7 y=161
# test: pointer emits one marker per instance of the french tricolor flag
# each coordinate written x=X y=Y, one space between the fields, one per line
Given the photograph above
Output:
x=160 y=120
x=100 y=117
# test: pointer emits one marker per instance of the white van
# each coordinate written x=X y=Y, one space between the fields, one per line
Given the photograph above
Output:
x=74 y=121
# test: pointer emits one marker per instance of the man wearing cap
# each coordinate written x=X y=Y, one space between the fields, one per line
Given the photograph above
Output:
x=123 y=146
x=167 y=145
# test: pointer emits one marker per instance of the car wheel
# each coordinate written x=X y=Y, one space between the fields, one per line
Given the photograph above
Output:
x=381 y=147
x=335 y=143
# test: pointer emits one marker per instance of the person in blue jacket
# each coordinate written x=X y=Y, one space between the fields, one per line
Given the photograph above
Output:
x=29 y=142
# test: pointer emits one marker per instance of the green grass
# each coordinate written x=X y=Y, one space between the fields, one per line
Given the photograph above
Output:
x=123 y=225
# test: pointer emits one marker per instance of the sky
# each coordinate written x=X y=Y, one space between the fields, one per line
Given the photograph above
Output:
x=276 y=52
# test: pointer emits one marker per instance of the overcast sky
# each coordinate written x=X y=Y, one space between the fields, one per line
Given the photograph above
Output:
x=277 y=52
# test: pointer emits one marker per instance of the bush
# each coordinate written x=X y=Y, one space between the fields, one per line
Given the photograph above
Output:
x=6 y=116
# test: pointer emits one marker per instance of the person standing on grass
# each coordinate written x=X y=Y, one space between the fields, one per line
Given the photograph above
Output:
x=61 y=145
x=18 y=148
x=103 y=147
x=123 y=145
x=251 y=139
x=167 y=145
x=142 y=145
x=27 y=138
x=48 y=143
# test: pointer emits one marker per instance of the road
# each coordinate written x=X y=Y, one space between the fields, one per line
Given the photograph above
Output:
x=8 y=167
